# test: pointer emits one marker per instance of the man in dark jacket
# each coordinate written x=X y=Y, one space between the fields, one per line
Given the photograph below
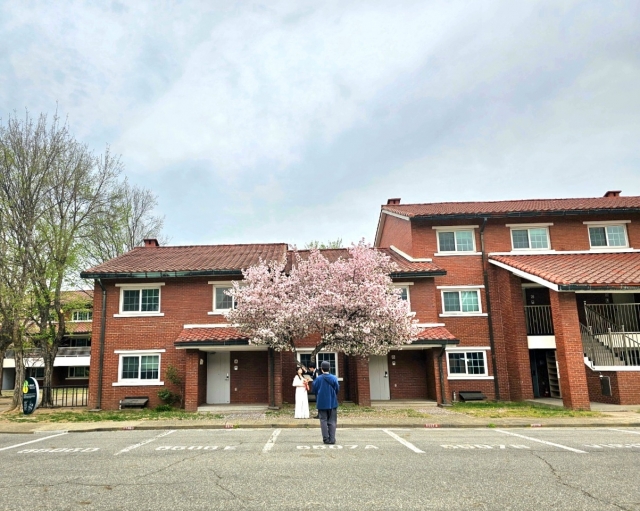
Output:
x=326 y=387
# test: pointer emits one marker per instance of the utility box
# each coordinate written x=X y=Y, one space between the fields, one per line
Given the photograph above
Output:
x=605 y=385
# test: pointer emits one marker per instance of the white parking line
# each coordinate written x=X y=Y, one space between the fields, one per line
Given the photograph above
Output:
x=31 y=441
x=272 y=441
x=135 y=446
x=540 y=441
x=610 y=429
x=403 y=441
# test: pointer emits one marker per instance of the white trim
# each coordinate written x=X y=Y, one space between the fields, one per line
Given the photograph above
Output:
x=609 y=248
x=541 y=342
x=140 y=286
x=227 y=347
x=408 y=257
x=612 y=291
x=138 y=383
x=599 y=250
x=143 y=352
x=221 y=284
x=454 y=227
x=429 y=325
x=225 y=283
x=468 y=348
x=408 y=300
x=399 y=283
x=525 y=275
x=529 y=225
x=461 y=287
x=310 y=350
x=445 y=254
x=462 y=314
x=397 y=215
x=214 y=325
x=139 y=315
x=608 y=222
x=454 y=230
x=611 y=369
x=472 y=377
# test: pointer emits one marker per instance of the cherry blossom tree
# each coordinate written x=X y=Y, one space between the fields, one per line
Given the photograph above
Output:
x=350 y=302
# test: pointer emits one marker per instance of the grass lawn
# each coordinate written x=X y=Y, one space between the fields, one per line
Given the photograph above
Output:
x=353 y=412
x=499 y=410
x=81 y=415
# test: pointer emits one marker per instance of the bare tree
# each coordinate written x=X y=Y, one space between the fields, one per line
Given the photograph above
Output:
x=321 y=245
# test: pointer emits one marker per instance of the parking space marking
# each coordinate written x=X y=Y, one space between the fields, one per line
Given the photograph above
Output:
x=540 y=441
x=272 y=441
x=31 y=441
x=403 y=441
x=610 y=429
x=149 y=440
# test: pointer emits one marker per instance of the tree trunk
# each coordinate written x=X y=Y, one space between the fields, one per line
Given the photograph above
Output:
x=48 y=355
x=17 y=388
x=2 y=353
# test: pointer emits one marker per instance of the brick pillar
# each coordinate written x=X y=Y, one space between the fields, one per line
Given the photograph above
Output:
x=569 y=352
x=361 y=391
x=191 y=380
x=275 y=378
x=514 y=331
x=433 y=361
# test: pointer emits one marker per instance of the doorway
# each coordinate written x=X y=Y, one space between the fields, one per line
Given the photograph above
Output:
x=544 y=373
x=218 y=383
x=379 y=378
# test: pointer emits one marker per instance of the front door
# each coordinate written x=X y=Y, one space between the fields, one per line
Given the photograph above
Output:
x=379 y=378
x=218 y=385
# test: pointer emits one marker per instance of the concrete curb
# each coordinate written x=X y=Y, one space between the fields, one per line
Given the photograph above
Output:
x=152 y=427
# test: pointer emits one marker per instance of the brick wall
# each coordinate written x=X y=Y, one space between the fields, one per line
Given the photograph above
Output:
x=625 y=387
x=408 y=377
x=249 y=384
x=396 y=232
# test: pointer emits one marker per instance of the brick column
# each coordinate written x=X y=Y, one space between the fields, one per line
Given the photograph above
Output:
x=569 y=351
x=191 y=380
x=515 y=336
x=433 y=360
x=361 y=387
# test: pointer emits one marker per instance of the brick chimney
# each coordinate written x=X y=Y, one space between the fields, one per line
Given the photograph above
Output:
x=393 y=202
x=613 y=193
x=152 y=242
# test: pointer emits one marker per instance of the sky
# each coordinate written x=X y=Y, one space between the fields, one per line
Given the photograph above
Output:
x=294 y=121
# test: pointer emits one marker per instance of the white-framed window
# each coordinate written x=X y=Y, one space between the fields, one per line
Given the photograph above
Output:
x=139 y=367
x=462 y=240
x=467 y=364
x=461 y=301
x=80 y=372
x=404 y=294
x=608 y=236
x=530 y=238
x=82 y=315
x=140 y=299
x=222 y=302
x=329 y=356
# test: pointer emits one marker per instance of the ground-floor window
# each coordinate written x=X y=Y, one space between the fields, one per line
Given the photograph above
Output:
x=142 y=368
x=330 y=357
x=467 y=363
x=78 y=372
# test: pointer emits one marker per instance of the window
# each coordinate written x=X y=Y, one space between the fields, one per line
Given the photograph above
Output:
x=461 y=302
x=456 y=241
x=467 y=363
x=141 y=368
x=222 y=302
x=78 y=372
x=404 y=294
x=82 y=316
x=332 y=358
x=608 y=236
x=140 y=300
x=534 y=238
x=80 y=342
x=34 y=372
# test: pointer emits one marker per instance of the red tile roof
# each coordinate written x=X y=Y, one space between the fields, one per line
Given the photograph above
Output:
x=514 y=207
x=198 y=259
x=78 y=295
x=609 y=270
x=435 y=333
x=78 y=327
x=212 y=335
x=404 y=266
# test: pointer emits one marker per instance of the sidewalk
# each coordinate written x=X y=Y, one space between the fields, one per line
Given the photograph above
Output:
x=437 y=418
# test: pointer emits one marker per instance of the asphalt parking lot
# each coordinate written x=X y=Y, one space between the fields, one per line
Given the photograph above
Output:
x=532 y=468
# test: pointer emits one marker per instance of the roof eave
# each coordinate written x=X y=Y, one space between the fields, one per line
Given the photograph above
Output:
x=441 y=342
x=232 y=342
x=524 y=214
x=417 y=274
x=596 y=287
x=159 y=274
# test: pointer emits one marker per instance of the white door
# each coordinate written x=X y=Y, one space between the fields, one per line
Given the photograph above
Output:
x=218 y=385
x=379 y=378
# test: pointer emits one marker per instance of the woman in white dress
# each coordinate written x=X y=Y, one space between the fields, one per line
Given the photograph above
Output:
x=302 y=400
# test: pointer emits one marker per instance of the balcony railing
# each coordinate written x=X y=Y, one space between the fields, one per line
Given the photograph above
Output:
x=538 y=319
x=63 y=351
x=620 y=317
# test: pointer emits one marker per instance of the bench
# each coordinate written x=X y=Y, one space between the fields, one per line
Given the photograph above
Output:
x=134 y=402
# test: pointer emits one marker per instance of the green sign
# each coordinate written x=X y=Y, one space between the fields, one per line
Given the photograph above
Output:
x=30 y=395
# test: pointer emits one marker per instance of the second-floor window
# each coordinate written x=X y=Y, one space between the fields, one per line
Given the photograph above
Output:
x=222 y=302
x=461 y=301
x=456 y=241
x=140 y=300
x=602 y=236
x=82 y=316
x=532 y=238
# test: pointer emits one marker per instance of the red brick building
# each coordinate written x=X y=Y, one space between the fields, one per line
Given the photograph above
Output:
x=516 y=299
x=544 y=295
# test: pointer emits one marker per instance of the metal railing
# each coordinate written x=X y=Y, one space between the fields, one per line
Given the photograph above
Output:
x=64 y=396
x=538 y=318
x=606 y=342
x=620 y=317
x=63 y=351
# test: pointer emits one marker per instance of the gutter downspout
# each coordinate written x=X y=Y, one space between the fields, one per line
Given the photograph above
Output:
x=485 y=275
x=442 y=392
x=103 y=318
